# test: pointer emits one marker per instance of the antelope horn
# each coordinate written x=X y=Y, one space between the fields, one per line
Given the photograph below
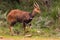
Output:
x=37 y=4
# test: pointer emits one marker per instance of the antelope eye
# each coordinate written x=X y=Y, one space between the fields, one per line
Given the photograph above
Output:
x=38 y=9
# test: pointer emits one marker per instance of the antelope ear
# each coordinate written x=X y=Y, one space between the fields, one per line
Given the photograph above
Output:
x=37 y=5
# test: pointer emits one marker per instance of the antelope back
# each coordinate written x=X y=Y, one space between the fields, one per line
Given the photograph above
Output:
x=17 y=14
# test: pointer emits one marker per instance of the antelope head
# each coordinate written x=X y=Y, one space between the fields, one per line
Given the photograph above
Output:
x=36 y=8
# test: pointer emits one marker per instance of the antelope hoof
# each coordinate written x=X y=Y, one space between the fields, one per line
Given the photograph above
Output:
x=13 y=34
x=28 y=35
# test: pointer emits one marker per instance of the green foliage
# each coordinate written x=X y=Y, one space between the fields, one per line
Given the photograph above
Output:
x=37 y=23
x=54 y=13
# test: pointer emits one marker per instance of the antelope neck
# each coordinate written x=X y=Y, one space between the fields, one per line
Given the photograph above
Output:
x=32 y=14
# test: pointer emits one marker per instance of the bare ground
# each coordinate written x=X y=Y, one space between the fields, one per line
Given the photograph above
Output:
x=29 y=38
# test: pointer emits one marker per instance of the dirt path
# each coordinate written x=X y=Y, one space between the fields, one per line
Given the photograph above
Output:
x=29 y=38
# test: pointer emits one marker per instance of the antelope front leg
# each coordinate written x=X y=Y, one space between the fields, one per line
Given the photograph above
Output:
x=11 y=30
x=28 y=29
x=30 y=26
x=24 y=27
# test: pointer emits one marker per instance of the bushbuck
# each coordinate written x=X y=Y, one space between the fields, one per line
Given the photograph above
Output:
x=23 y=17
